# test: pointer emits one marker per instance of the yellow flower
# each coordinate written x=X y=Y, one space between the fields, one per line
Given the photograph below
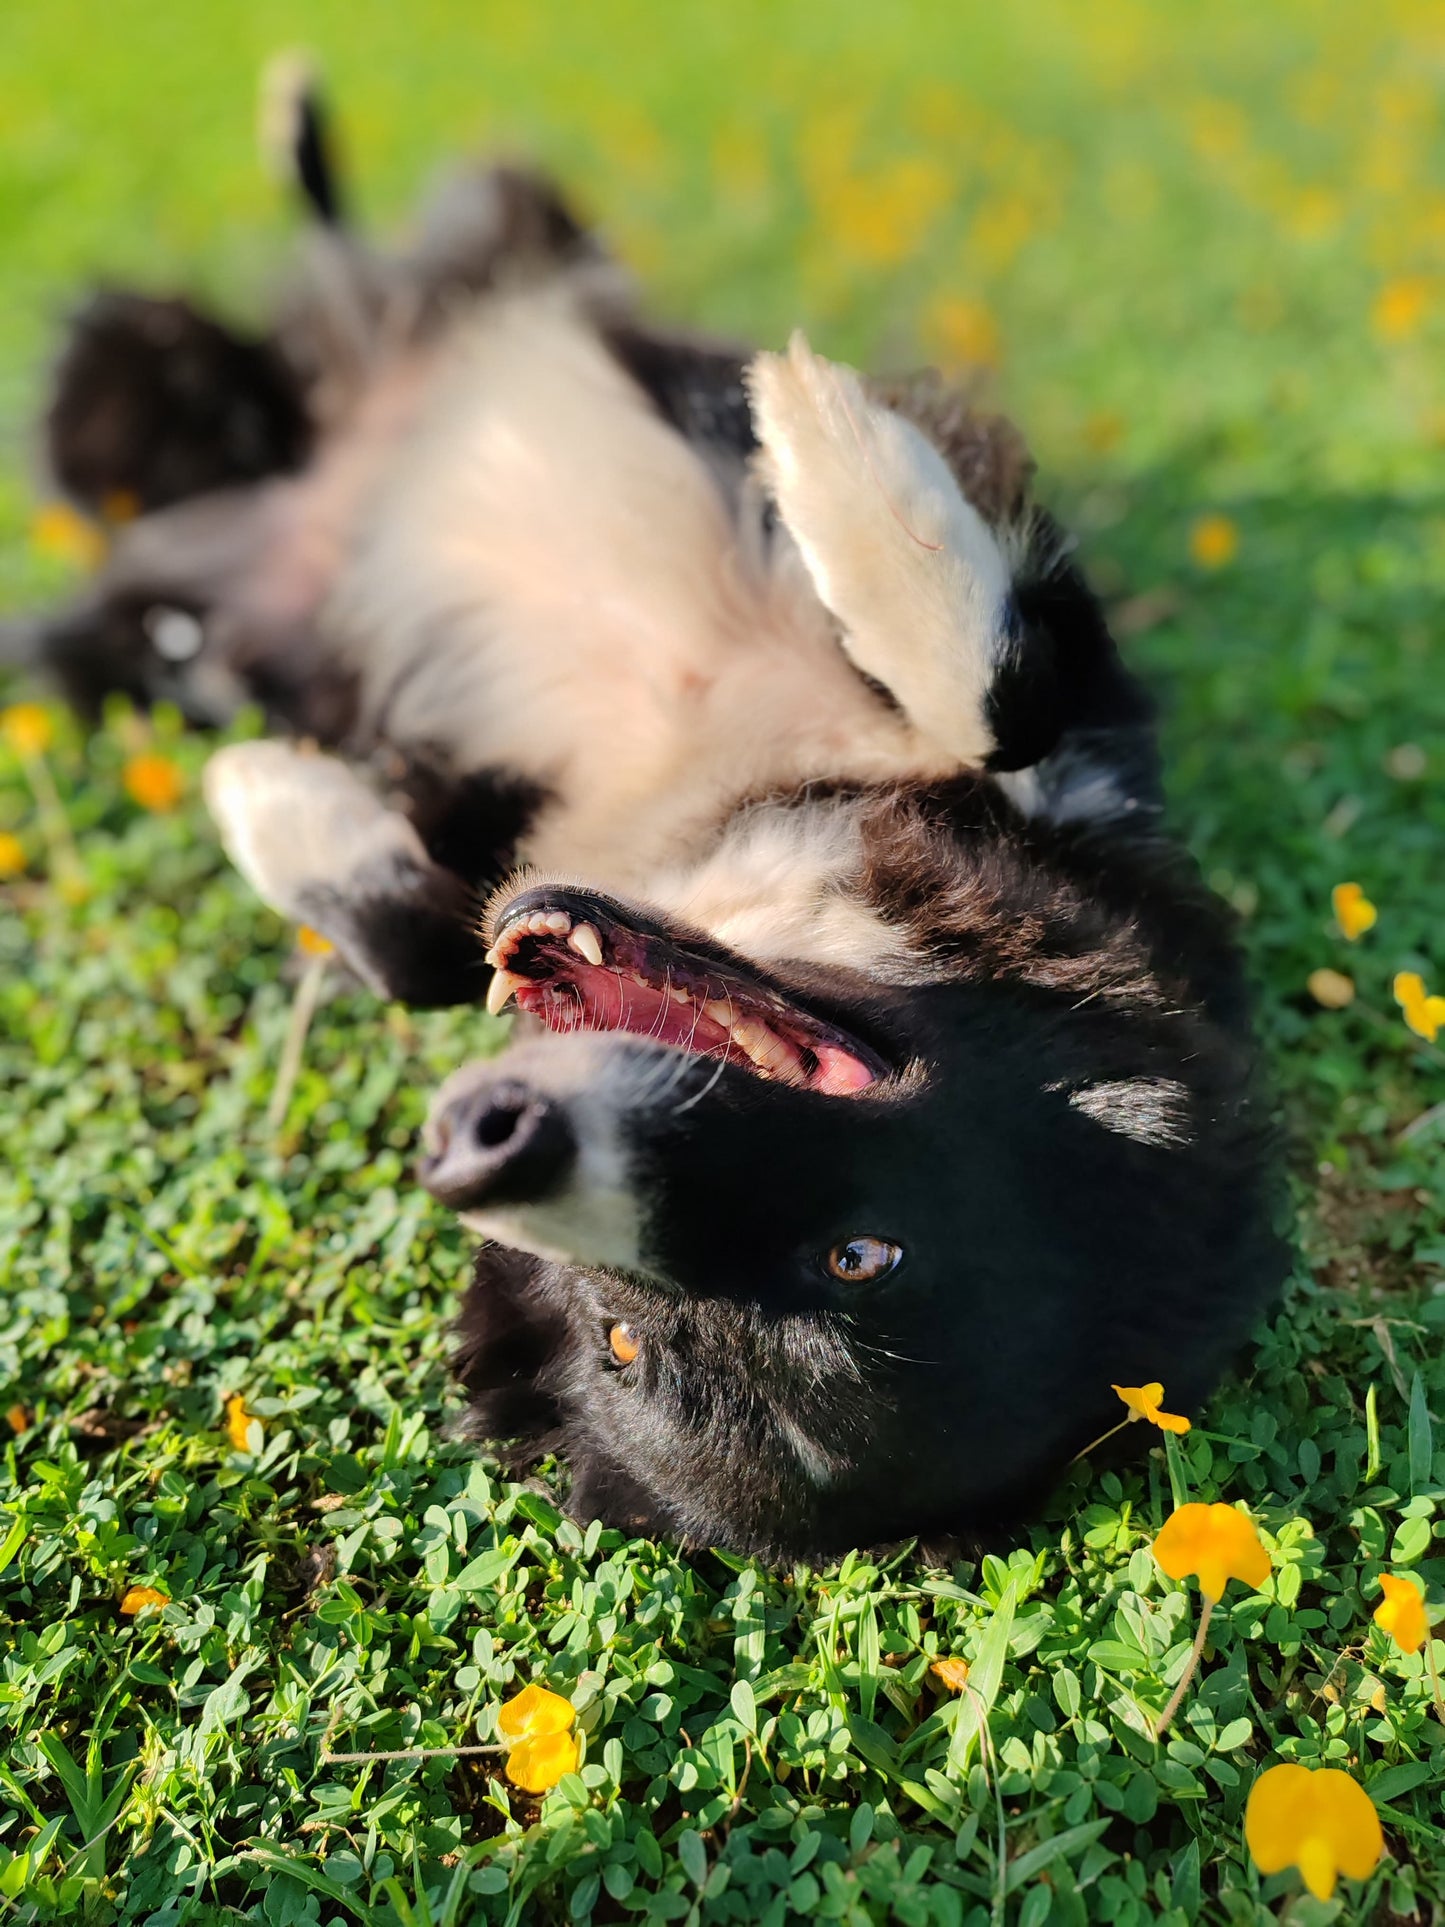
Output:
x=953 y=1673
x=1214 y=541
x=1143 y=1402
x=1401 y=1613
x=153 y=781
x=537 y=1765
x=1400 y=307
x=1103 y=430
x=57 y=531
x=1216 y=1544
x=1332 y=988
x=962 y=333
x=12 y=855
x=311 y=943
x=1424 y=1015
x=239 y=1422
x=137 y=1598
x=1320 y=1821
x=27 y=728
x=1354 y=912
x=537 y=1726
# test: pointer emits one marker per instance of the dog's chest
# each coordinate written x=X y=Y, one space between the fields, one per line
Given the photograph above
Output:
x=551 y=583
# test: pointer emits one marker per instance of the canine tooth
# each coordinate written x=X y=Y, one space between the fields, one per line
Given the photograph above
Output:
x=719 y=1013
x=504 y=985
x=585 y=941
x=558 y=922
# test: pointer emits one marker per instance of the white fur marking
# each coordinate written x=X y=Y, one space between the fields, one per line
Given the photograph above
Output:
x=1151 y=1110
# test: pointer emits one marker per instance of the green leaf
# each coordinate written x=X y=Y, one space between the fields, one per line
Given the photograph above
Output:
x=1030 y=1865
x=1422 y=1451
x=984 y=1679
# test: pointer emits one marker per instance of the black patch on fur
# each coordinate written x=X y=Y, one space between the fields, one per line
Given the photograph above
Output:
x=155 y=401
x=695 y=386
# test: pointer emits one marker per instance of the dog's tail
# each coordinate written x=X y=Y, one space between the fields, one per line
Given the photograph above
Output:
x=296 y=136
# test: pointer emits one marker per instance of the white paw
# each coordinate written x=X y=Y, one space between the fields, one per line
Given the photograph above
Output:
x=908 y=566
x=294 y=821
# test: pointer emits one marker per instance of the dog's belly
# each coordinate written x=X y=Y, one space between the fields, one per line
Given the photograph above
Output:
x=550 y=582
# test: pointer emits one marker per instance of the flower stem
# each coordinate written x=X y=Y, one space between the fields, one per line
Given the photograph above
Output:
x=308 y=992
x=1102 y=1439
x=54 y=823
x=1191 y=1667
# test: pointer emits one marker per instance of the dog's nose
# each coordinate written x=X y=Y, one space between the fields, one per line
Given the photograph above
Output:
x=497 y=1143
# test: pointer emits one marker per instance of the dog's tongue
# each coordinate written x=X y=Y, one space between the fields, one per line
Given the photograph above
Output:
x=839 y=1073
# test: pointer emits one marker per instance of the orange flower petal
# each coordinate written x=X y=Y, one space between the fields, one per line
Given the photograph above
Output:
x=27 y=728
x=153 y=781
x=1402 y=1614
x=953 y=1673
x=1142 y=1400
x=239 y=1422
x=533 y=1713
x=12 y=855
x=1214 y=541
x=1171 y=1422
x=1213 y=1543
x=18 y=1419
x=138 y=1598
x=311 y=943
x=57 y=530
x=1354 y=912
x=537 y=1764
x=1321 y=1821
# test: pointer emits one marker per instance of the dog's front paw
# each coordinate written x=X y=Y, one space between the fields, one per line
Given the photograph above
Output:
x=298 y=825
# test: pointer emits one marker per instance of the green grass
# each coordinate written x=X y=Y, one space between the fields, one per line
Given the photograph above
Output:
x=1210 y=245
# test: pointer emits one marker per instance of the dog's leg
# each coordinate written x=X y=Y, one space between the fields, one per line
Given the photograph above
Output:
x=917 y=578
x=318 y=846
x=977 y=624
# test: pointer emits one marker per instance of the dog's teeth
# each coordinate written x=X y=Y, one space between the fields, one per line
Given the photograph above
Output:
x=678 y=994
x=539 y=923
x=585 y=941
x=753 y=1038
x=493 y=958
x=558 y=922
x=719 y=1013
x=501 y=990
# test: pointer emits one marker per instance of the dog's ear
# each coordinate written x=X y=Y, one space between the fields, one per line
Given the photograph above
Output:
x=154 y=402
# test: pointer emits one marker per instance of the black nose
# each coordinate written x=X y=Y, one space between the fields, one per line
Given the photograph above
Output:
x=501 y=1143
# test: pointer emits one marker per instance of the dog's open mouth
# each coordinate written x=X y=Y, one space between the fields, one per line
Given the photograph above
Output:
x=575 y=961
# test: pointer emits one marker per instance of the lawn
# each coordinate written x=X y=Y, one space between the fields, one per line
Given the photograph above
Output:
x=1201 y=254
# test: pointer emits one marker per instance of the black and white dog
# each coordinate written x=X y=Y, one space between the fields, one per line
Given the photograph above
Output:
x=883 y=1089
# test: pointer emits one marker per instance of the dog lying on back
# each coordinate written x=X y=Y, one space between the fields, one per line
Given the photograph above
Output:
x=882 y=1090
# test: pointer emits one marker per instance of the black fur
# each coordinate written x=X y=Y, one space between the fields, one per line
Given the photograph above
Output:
x=155 y=402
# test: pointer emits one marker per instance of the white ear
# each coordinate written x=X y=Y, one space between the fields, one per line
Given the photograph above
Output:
x=911 y=570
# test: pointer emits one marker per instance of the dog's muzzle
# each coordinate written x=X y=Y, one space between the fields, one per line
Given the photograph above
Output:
x=496 y=1140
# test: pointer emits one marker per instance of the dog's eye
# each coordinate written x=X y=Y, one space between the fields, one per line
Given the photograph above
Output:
x=623 y=1343
x=861 y=1260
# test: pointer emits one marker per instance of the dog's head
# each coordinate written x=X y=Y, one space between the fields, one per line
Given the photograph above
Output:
x=816 y=1259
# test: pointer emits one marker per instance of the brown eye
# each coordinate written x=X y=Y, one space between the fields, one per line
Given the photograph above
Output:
x=861 y=1260
x=624 y=1343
